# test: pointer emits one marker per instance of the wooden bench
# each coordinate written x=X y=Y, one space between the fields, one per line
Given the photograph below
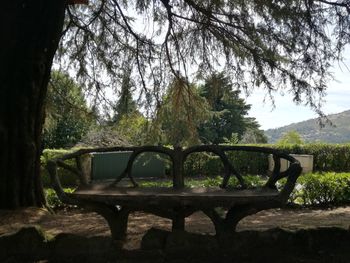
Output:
x=114 y=202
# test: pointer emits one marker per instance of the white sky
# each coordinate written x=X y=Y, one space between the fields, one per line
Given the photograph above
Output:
x=286 y=112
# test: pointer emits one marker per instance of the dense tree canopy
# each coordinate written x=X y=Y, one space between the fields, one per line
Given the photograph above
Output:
x=68 y=117
x=229 y=111
x=125 y=105
x=276 y=45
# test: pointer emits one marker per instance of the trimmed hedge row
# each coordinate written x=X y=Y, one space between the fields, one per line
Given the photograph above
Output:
x=210 y=165
x=327 y=158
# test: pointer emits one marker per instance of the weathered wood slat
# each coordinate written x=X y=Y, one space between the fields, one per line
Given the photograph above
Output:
x=199 y=197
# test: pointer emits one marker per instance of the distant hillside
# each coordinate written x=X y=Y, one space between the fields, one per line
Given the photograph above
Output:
x=311 y=131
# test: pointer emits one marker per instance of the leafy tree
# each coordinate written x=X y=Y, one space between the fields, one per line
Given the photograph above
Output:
x=275 y=45
x=67 y=116
x=291 y=137
x=230 y=111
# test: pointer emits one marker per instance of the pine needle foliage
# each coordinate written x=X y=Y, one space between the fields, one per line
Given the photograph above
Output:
x=180 y=114
x=285 y=46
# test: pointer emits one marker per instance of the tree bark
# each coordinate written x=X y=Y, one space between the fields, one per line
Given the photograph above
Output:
x=30 y=31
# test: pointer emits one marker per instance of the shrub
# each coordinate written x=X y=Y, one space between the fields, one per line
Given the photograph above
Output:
x=67 y=178
x=321 y=189
x=52 y=199
x=326 y=188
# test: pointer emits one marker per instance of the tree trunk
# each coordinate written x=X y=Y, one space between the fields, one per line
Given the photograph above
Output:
x=30 y=31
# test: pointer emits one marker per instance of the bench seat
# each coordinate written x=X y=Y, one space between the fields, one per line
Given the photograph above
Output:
x=163 y=196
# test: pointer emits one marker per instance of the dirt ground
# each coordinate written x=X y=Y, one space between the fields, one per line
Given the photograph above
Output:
x=91 y=224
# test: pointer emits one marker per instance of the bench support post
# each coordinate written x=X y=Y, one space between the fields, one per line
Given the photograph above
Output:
x=227 y=225
x=117 y=219
x=178 y=160
x=178 y=220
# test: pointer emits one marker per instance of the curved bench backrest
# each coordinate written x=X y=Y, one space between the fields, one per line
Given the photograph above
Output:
x=110 y=165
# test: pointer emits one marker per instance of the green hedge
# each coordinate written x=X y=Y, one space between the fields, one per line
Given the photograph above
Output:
x=211 y=165
x=327 y=158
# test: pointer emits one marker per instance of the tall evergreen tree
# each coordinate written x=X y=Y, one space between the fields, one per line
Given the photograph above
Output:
x=229 y=111
x=125 y=104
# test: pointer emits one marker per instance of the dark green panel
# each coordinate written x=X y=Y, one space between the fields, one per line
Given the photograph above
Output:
x=111 y=165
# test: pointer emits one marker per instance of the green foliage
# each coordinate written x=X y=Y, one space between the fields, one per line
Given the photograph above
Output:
x=311 y=189
x=67 y=116
x=126 y=105
x=178 y=118
x=52 y=199
x=274 y=45
x=234 y=139
x=322 y=189
x=211 y=165
x=291 y=137
x=252 y=181
x=133 y=128
x=202 y=164
x=327 y=157
x=229 y=111
x=67 y=178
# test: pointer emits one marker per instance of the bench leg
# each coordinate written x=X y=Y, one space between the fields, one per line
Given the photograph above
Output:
x=117 y=219
x=178 y=223
x=178 y=218
x=227 y=225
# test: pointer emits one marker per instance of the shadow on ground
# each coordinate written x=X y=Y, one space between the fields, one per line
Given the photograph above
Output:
x=31 y=244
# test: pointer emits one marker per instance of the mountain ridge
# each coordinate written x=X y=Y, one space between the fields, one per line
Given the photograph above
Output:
x=311 y=131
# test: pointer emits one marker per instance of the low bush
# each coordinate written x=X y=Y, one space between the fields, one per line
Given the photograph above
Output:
x=52 y=199
x=322 y=189
x=67 y=178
